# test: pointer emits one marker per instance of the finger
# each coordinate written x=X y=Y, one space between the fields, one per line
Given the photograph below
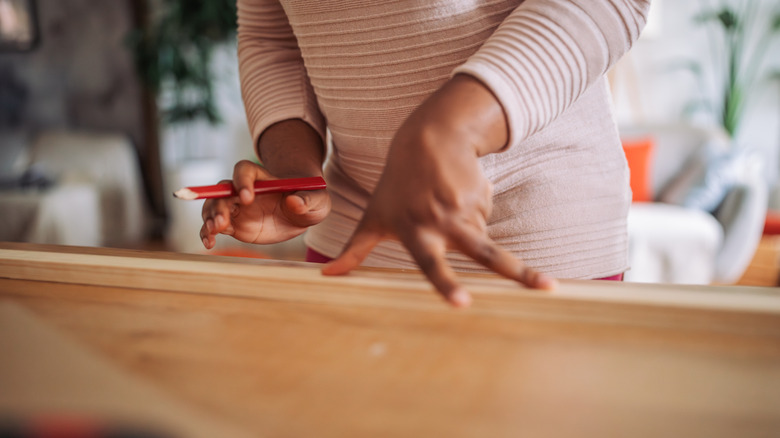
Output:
x=216 y=214
x=486 y=206
x=428 y=250
x=223 y=225
x=245 y=173
x=218 y=224
x=305 y=209
x=477 y=245
x=212 y=206
x=357 y=249
x=207 y=237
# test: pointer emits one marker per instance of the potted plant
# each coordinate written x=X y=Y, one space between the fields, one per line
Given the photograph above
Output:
x=173 y=49
x=173 y=52
x=741 y=35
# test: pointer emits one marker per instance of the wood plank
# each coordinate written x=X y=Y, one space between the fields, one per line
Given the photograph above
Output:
x=277 y=349
x=608 y=302
x=45 y=373
x=285 y=368
x=764 y=268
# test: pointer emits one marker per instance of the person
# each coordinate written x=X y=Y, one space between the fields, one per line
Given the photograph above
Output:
x=464 y=135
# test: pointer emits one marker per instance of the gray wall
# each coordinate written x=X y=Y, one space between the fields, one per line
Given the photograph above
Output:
x=80 y=75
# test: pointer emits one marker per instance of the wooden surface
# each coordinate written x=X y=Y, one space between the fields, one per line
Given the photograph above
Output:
x=764 y=268
x=274 y=349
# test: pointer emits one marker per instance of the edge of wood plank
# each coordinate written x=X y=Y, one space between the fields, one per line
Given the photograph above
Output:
x=302 y=281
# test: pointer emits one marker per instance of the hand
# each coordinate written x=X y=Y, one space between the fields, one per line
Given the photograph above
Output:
x=288 y=149
x=262 y=219
x=432 y=195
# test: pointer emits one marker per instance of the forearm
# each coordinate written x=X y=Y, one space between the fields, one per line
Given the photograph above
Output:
x=290 y=149
x=465 y=108
x=547 y=53
x=275 y=90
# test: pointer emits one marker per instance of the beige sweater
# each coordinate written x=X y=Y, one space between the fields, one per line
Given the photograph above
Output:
x=358 y=69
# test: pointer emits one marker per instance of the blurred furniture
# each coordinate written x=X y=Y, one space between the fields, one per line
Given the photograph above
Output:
x=107 y=161
x=37 y=210
x=96 y=197
x=707 y=211
x=65 y=214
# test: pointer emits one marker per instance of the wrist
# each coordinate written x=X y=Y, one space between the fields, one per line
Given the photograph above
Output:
x=465 y=107
x=291 y=149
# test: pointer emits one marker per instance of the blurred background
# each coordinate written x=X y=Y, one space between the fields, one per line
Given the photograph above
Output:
x=107 y=107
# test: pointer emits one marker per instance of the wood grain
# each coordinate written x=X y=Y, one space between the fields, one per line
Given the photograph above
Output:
x=764 y=268
x=295 y=281
x=281 y=351
x=84 y=385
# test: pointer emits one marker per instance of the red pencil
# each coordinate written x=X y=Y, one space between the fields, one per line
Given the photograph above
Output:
x=271 y=186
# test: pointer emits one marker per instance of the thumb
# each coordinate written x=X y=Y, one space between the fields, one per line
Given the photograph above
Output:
x=357 y=249
x=305 y=209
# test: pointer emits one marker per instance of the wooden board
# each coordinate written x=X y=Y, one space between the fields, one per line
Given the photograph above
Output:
x=764 y=268
x=277 y=349
x=44 y=373
x=296 y=281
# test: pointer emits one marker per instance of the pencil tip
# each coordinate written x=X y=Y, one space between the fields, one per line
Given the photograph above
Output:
x=185 y=194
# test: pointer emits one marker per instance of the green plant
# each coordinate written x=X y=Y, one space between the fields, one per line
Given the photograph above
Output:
x=740 y=37
x=172 y=54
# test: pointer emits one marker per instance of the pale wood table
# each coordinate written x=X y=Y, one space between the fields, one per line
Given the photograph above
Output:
x=263 y=348
x=764 y=268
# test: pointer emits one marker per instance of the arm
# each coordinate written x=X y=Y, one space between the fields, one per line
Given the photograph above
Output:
x=274 y=83
x=287 y=130
x=547 y=53
x=432 y=195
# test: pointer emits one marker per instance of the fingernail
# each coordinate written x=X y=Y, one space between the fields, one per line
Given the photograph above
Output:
x=206 y=243
x=245 y=195
x=547 y=283
x=210 y=225
x=461 y=298
x=219 y=220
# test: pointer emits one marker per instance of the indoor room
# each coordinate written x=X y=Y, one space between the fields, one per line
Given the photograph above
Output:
x=611 y=141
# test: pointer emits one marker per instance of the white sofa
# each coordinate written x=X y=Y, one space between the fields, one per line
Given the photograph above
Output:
x=96 y=198
x=678 y=238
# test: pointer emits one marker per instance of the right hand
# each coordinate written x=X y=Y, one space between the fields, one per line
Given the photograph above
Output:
x=262 y=219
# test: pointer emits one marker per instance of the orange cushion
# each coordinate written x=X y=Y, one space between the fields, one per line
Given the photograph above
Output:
x=639 y=153
x=238 y=252
x=772 y=223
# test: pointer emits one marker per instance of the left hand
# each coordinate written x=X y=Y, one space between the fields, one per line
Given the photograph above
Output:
x=432 y=195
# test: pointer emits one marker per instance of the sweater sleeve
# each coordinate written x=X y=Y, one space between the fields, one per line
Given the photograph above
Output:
x=546 y=53
x=274 y=82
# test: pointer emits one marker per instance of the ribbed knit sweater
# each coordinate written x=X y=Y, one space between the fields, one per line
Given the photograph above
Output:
x=358 y=68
